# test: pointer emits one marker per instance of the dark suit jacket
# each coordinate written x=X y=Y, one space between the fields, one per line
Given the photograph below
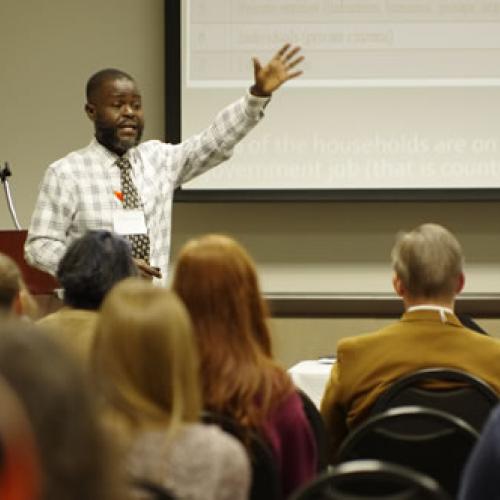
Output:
x=368 y=364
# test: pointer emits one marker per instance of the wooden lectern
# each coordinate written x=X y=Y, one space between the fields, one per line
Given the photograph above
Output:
x=38 y=282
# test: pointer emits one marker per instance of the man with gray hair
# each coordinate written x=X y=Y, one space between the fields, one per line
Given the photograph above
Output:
x=428 y=274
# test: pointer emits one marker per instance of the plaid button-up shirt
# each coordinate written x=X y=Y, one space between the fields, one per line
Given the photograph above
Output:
x=77 y=192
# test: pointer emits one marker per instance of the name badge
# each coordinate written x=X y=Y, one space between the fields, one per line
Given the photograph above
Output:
x=129 y=222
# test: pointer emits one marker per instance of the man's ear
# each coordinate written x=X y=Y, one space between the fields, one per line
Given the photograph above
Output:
x=17 y=305
x=398 y=285
x=90 y=110
x=460 y=283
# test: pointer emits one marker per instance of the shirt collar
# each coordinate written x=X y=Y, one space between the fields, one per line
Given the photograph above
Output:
x=107 y=157
x=431 y=312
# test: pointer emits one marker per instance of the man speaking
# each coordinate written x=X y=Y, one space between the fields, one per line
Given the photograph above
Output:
x=119 y=184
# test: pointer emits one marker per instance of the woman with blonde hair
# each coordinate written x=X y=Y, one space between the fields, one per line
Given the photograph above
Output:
x=217 y=281
x=146 y=362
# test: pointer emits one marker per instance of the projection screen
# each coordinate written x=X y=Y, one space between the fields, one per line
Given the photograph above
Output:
x=395 y=95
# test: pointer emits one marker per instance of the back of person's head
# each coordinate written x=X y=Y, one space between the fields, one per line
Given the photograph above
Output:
x=74 y=456
x=10 y=284
x=217 y=280
x=428 y=261
x=145 y=357
x=91 y=266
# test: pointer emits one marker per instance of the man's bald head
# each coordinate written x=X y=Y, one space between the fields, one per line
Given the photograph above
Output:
x=97 y=79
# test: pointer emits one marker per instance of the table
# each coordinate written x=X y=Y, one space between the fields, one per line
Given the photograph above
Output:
x=311 y=376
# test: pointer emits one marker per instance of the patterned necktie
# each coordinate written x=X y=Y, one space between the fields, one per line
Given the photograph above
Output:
x=140 y=242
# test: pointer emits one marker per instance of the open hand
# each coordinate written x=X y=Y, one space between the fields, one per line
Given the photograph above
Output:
x=277 y=71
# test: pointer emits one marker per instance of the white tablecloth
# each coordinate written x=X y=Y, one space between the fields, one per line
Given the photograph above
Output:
x=311 y=376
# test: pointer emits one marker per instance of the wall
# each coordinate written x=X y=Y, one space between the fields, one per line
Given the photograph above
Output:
x=296 y=339
x=340 y=247
x=50 y=47
x=343 y=247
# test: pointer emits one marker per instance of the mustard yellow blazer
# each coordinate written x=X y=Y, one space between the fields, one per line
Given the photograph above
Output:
x=368 y=364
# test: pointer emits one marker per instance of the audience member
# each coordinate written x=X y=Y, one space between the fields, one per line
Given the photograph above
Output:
x=480 y=479
x=146 y=361
x=92 y=265
x=15 y=299
x=20 y=475
x=217 y=281
x=428 y=274
x=75 y=459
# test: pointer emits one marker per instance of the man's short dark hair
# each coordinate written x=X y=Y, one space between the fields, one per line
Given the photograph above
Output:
x=97 y=79
x=92 y=265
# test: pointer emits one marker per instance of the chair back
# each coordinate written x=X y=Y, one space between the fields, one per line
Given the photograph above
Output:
x=265 y=477
x=429 y=441
x=318 y=428
x=469 y=398
x=371 y=479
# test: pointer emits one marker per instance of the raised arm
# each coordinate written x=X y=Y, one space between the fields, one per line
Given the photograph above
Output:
x=216 y=144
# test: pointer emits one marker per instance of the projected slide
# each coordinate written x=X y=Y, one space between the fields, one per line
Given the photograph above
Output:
x=395 y=93
x=364 y=40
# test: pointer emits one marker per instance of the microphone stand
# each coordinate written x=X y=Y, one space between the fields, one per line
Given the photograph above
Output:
x=4 y=173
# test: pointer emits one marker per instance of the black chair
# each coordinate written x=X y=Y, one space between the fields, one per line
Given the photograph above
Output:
x=151 y=490
x=429 y=441
x=470 y=398
x=371 y=479
x=318 y=427
x=265 y=477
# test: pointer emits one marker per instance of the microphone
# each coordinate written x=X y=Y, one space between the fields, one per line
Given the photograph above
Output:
x=4 y=173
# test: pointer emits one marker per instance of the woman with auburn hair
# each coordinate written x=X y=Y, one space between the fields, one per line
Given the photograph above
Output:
x=217 y=281
x=146 y=362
